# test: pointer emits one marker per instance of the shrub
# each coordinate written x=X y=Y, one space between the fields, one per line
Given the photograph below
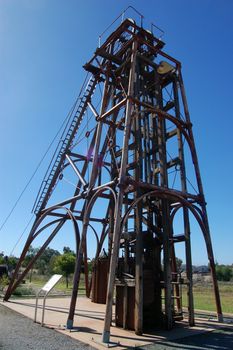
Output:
x=224 y=273
x=4 y=281
x=22 y=290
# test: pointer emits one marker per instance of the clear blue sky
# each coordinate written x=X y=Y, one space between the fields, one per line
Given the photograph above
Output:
x=43 y=45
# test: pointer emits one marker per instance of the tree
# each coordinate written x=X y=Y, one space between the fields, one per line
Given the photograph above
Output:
x=179 y=263
x=224 y=273
x=2 y=260
x=68 y=250
x=42 y=264
x=30 y=254
x=10 y=261
x=65 y=265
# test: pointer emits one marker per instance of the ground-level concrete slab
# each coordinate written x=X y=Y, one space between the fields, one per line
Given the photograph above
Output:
x=88 y=323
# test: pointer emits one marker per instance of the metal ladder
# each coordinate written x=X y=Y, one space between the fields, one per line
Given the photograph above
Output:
x=64 y=144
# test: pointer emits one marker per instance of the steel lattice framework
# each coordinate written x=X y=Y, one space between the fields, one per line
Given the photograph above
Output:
x=126 y=146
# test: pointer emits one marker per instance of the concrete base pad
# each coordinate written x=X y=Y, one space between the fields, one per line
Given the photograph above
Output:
x=89 y=320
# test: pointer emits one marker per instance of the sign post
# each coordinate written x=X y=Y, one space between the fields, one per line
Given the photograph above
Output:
x=46 y=289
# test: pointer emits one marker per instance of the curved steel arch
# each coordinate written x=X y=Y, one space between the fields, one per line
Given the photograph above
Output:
x=94 y=197
x=204 y=229
x=90 y=205
x=180 y=124
x=81 y=160
x=95 y=234
x=46 y=226
x=162 y=194
x=102 y=240
x=13 y=285
x=179 y=206
x=86 y=217
x=46 y=213
x=82 y=248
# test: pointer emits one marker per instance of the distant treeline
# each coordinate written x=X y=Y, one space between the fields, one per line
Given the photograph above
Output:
x=53 y=261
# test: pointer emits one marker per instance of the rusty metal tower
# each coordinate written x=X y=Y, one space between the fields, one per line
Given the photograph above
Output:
x=126 y=147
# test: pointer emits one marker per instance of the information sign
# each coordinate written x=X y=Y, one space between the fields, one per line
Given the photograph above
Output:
x=51 y=283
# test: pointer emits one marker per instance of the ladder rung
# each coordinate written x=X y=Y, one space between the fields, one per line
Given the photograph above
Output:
x=70 y=133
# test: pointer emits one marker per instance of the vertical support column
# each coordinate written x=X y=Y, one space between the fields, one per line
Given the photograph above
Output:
x=205 y=217
x=212 y=264
x=94 y=171
x=138 y=227
x=114 y=174
x=174 y=269
x=166 y=226
x=119 y=202
x=79 y=257
x=111 y=226
x=76 y=279
x=188 y=254
x=86 y=267
x=139 y=273
x=189 y=269
x=126 y=269
x=165 y=216
x=167 y=264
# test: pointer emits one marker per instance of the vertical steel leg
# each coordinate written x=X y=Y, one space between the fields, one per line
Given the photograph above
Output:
x=36 y=306
x=43 y=310
x=119 y=203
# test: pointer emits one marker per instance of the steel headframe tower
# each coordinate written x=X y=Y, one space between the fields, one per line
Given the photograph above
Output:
x=126 y=144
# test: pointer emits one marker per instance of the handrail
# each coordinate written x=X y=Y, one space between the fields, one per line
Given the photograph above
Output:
x=122 y=14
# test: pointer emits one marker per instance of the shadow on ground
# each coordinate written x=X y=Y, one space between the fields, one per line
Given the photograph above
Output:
x=220 y=339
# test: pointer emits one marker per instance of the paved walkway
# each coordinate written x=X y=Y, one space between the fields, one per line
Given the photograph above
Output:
x=88 y=326
x=219 y=339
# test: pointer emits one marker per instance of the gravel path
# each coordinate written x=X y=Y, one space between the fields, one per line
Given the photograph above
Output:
x=20 y=333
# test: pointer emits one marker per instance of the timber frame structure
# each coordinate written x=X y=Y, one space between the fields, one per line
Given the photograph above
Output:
x=131 y=158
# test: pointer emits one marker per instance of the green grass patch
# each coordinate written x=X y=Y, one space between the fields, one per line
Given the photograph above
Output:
x=38 y=281
x=204 y=297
